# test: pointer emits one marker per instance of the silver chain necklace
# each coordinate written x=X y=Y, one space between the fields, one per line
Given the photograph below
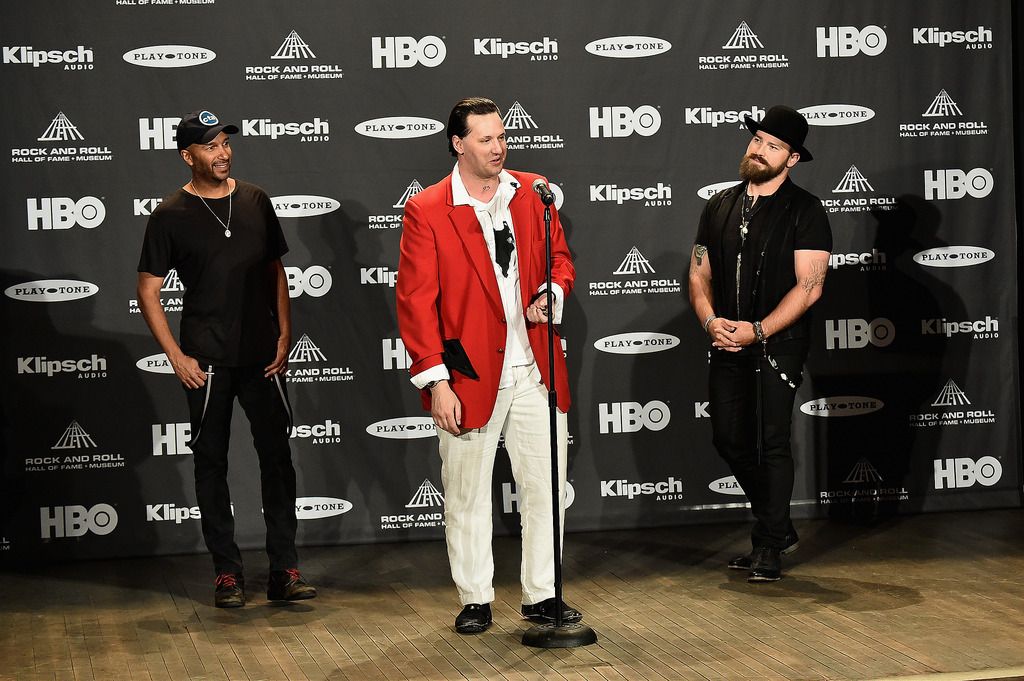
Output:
x=227 y=227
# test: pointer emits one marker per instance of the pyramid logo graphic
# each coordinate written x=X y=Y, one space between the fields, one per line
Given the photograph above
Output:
x=743 y=39
x=426 y=495
x=943 y=105
x=60 y=130
x=412 y=190
x=635 y=263
x=74 y=437
x=853 y=181
x=863 y=472
x=293 y=47
x=172 y=282
x=516 y=118
x=951 y=396
x=305 y=351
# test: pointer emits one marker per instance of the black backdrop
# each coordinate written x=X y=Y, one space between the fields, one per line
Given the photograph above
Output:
x=911 y=400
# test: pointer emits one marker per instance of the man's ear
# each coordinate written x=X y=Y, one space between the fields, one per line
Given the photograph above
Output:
x=186 y=156
x=794 y=158
x=457 y=144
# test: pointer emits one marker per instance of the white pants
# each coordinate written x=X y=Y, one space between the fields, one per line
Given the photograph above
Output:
x=467 y=462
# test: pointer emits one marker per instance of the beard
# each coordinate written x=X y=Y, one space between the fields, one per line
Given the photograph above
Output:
x=759 y=173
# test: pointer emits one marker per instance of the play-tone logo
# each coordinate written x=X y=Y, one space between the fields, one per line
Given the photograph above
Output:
x=850 y=41
x=636 y=343
x=403 y=428
x=314 y=508
x=545 y=49
x=727 y=485
x=169 y=56
x=62 y=212
x=623 y=121
x=836 y=114
x=78 y=59
x=51 y=290
x=841 y=405
x=156 y=364
x=403 y=52
x=628 y=46
x=742 y=51
x=399 y=127
x=709 y=190
x=303 y=205
x=954 y=256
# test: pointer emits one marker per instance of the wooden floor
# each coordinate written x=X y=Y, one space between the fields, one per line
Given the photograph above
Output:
x=909 y=596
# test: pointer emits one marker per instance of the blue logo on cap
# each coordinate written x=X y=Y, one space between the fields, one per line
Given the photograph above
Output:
x=207 y=118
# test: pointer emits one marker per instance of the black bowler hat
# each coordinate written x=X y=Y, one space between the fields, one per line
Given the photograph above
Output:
x=199 y=127
x=787 y=124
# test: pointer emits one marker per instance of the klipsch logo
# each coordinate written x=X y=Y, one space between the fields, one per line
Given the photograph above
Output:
x=953 y=256
x=628 y=46
x=636 y=343
x=403 y=428
x=169 y=56
x=855 y=184
x=742 y=50
x=58 y=522
x=517 y=118
x=403 y=52
x=51 y=290
x=978 y=329
x=293 y=49
x=545 y=49
x=89 y=367
x=869 y=261
x=850 y=41
x=314 y=508
x=326 y=433
x=399 y=127
x=632 y=265
x=842 y=405
x=655 y=195
x=948 y=410
x=942 y=108
x=307 y=352
x=62 y=131
x=836 y=114
x=316 y=130
x=662 y=490
x=705 y=115
x=979 y=38
x=157 y=513
x=77 y=59
x=426 y=496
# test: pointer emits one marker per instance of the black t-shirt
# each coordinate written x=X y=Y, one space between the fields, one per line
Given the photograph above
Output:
x=230 y=302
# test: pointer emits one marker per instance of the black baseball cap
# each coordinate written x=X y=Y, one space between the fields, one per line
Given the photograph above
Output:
x=199 y=127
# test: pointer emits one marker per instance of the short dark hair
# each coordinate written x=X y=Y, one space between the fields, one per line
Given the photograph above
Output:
x=457 y=126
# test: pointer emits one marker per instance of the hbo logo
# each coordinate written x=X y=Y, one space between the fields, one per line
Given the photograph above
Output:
x=954 y=183
x=629 y=417
x=403 y=52
x=313 y=281
x=621 y=121
x=957 y=473
x=75 y=521
x=846 y=334
x=60 y=212
x=849 y=41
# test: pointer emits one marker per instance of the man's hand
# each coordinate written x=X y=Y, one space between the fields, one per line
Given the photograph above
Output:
x=729 y=335
x=537 y=311
x=445 y=408
x=280 y=363
x=188 y=371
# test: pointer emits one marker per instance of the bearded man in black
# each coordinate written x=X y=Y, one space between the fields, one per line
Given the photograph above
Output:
x=757 y=267
x=223 y=238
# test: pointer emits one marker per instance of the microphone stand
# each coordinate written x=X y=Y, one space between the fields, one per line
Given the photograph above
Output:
x=557 y=634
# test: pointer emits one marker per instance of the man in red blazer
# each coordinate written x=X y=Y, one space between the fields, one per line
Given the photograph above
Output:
x=472 y=311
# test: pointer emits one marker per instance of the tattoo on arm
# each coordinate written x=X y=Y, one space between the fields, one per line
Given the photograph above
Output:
x=698 y=252
x=817 y=276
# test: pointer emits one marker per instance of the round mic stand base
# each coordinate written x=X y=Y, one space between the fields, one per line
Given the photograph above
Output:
x=559 y=636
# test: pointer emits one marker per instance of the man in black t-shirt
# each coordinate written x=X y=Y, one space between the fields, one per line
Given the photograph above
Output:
x=223 y=238
x=758 y=265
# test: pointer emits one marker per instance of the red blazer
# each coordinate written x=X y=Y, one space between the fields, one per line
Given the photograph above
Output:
x=447 y=289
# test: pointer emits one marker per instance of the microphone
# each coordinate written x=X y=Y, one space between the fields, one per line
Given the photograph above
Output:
x=541 y=187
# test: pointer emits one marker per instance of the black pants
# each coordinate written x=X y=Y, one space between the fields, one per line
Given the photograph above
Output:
x=265 y=403
x=765 y=473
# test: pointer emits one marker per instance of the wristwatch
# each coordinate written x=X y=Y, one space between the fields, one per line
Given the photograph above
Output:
x=430 y=386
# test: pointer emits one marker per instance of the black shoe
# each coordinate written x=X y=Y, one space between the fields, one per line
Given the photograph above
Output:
x=747 y=559
x=767 y=565
x=288 y=585
x=473 y=619
x=230 y=591
x=545 y=612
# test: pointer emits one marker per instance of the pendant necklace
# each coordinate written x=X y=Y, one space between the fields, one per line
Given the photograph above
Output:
x=746 y=215
x=226 y=226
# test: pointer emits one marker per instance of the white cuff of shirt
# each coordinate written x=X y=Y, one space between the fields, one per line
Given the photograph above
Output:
x=559 y=296
x=434 y=373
